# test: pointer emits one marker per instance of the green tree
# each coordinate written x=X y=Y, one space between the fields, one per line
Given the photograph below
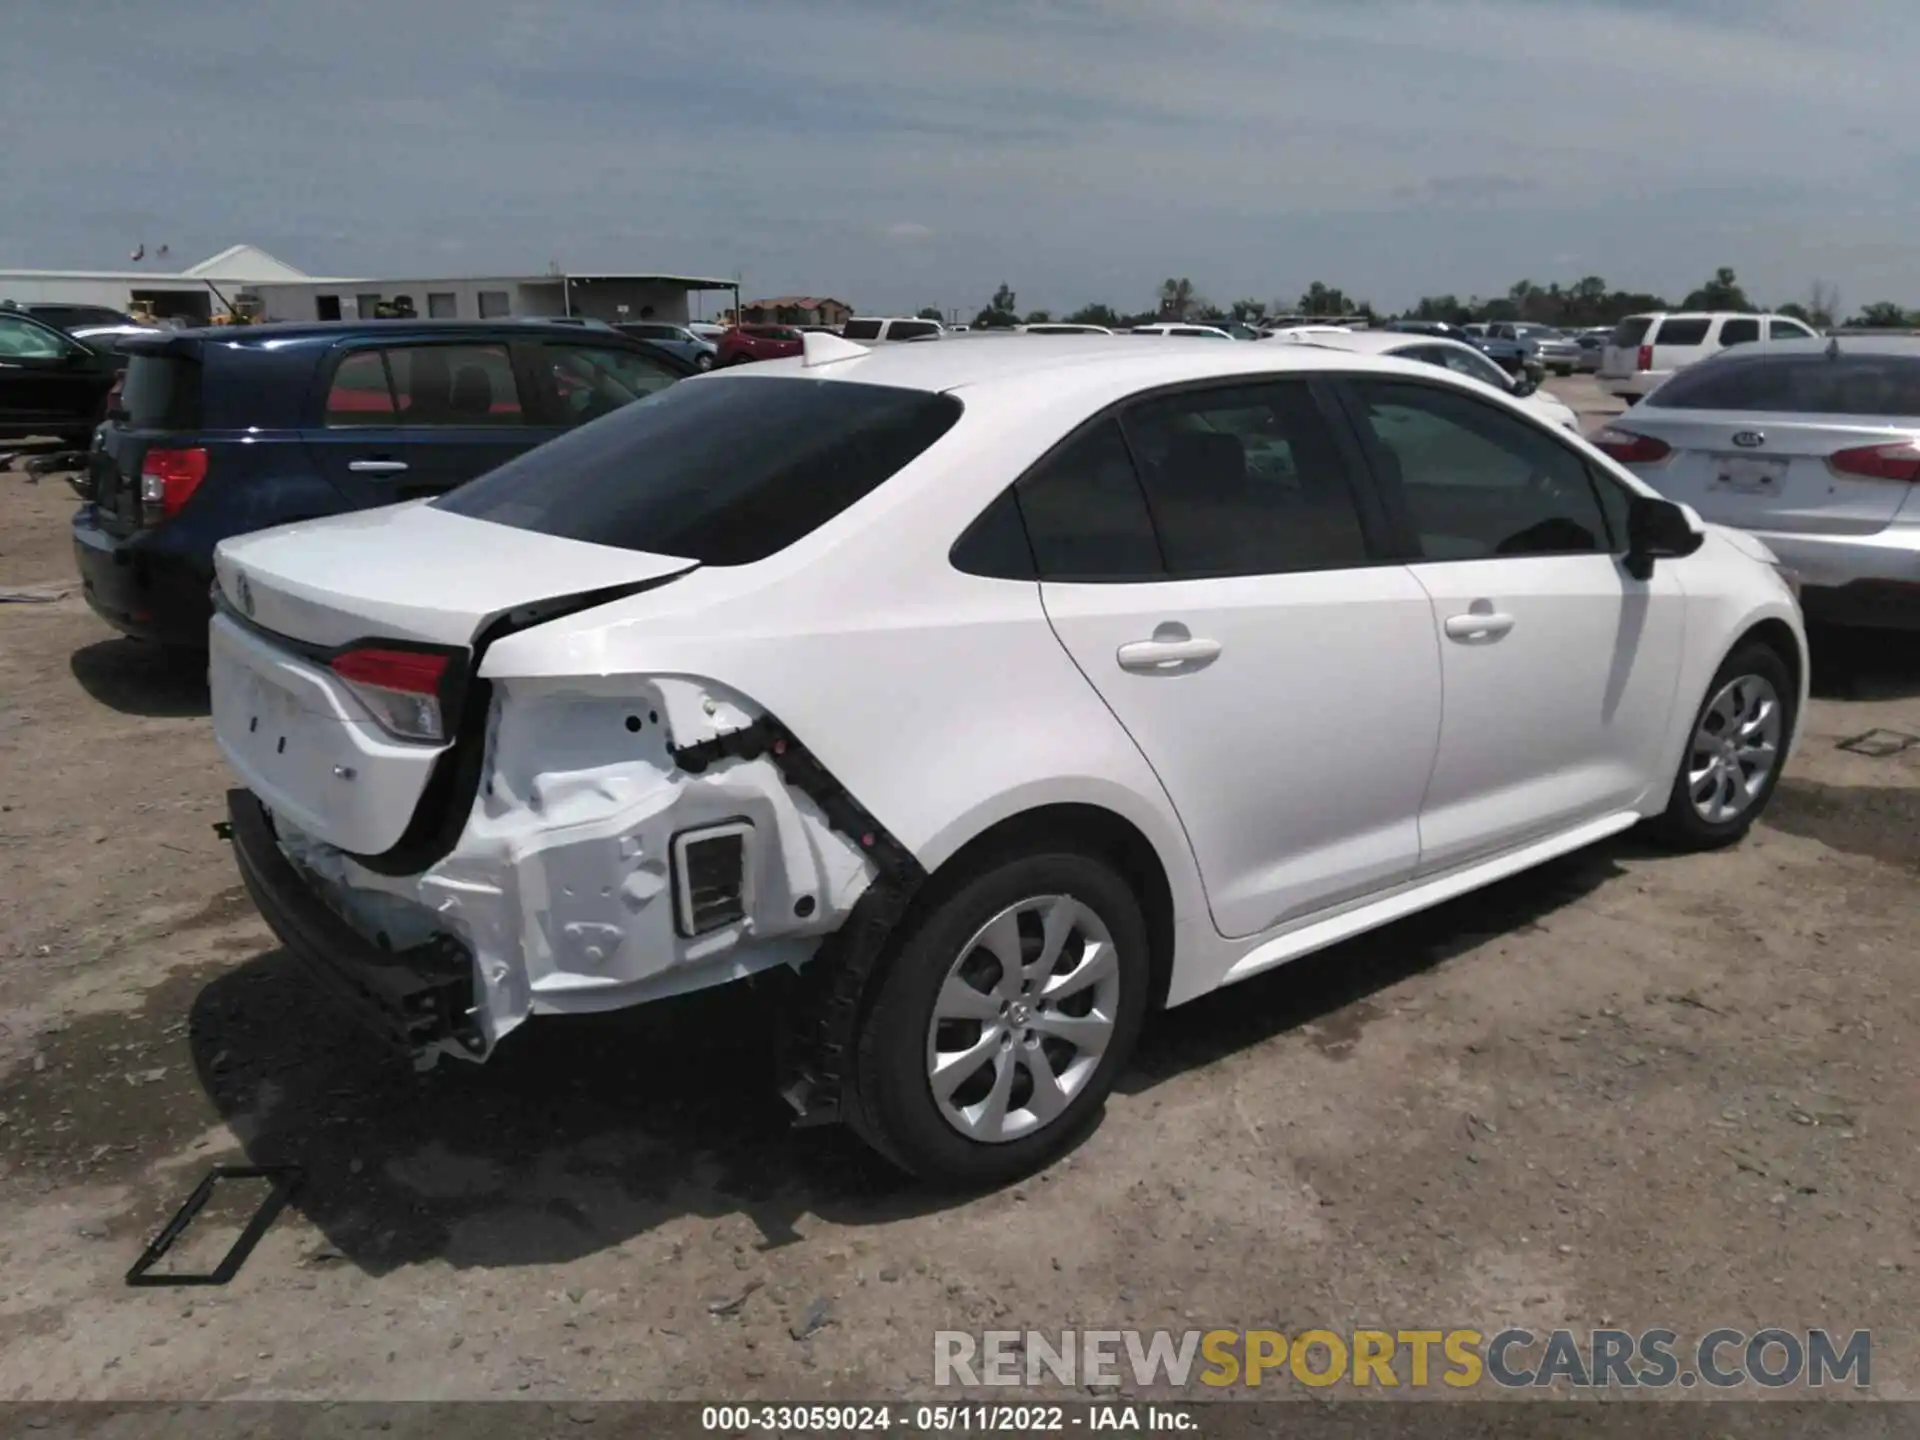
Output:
x=1882 y=315
x=1249 y=312
x=1001 y=312
x=1722 y=292
x=1039 y=317
x=929 y=312
x=1176 y=298
x=1095 y=315
x=1322 y=299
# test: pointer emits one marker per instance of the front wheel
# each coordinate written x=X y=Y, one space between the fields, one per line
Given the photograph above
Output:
x=1006 y=1014
x=1734 y=754
x=703 y=361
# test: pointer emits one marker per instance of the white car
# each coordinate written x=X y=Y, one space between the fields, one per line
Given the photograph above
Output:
x=1451 y=355
x=1182 y=332
x=1813 y=446
x=883 y=330
x=1005 y=692
x=1062 y=327
x=1645 y=349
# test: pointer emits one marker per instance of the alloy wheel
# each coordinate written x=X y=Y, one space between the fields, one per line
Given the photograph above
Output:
x=1022 y=1019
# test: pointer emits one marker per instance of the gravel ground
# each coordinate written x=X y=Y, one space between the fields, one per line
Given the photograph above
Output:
x=1628 y=1088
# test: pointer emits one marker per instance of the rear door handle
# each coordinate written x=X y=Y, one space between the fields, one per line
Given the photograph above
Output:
x=1480 y=625
x=376 y=467
x=1160 y=654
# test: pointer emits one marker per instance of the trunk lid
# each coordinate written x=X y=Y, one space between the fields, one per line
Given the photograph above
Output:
x=406 y=578
x=413 y=572
x=1775 y=476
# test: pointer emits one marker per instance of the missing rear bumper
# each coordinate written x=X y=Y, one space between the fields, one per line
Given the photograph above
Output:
x=419 y=1000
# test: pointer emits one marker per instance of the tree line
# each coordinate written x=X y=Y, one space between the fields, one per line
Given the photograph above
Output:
x=1586 y=302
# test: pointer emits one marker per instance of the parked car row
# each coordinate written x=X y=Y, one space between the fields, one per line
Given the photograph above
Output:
x=1644 y=350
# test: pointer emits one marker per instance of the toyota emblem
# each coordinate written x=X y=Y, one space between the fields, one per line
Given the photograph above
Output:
x=1749 y=439
x=246 y=595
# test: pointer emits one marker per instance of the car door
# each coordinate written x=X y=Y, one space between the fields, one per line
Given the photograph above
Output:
x=415 y=418
x=1558 y=667
x=47 y=378
x=1209 y=561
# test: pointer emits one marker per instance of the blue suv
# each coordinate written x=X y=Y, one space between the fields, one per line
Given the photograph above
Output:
x=222 y=431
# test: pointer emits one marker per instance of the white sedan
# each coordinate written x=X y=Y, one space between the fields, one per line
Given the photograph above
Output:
x=1451 y=355
x=1003 y=692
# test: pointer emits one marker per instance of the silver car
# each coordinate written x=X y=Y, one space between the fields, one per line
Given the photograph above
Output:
x=1555 y=350
x=1814 y=447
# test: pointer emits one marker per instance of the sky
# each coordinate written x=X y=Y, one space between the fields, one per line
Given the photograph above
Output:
x=901 y=153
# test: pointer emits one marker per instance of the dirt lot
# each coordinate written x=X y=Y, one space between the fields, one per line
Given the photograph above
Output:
x=1630 y=1088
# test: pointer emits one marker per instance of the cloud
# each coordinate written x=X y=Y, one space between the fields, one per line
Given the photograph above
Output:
x=1080 y=150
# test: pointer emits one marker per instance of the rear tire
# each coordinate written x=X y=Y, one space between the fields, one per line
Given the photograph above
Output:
x=703 y=361
x=972 y=1070
x=1735 y=749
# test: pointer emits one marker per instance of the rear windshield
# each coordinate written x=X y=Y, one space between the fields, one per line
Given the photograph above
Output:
x=161 y=392
x=1630 y=332
x=861 y=330
x=725 y=472
x=1682 y=332
x=1879 y=385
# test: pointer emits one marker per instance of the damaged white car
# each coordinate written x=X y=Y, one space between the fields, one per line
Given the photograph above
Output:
x=1004 y=692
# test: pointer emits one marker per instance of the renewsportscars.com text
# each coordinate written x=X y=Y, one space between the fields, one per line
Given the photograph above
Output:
x=1458 y=1358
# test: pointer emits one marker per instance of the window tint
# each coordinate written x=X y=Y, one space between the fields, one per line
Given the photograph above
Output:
x=1246 y=481
x=590 y=382
x=161 y=392
x=1477 y=482
x=861 y=330
x=1630 y=332
x=1741 y=331
x=1884 y=385
x=361 y=393
x=912 y=329
x=995 y=545
x=726 y=473
x=1682 y=332
x=1787 y=330
x=454 y=385
x=23 y=340
x=1086 y=517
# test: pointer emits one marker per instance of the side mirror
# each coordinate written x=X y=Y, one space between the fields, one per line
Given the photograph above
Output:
x=1524 y=385
x=1657 y=530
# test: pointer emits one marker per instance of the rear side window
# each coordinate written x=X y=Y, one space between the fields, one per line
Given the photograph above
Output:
x=912 y=329
x=161 y=392
x=1086 y=517
x=1246 y=481
x=861 y=330
x=1739 y=332
x=361 y=393
x=454 y=385
x=1682 y=332
x=1879 y=385
x=726 y=472
x=1630 y=332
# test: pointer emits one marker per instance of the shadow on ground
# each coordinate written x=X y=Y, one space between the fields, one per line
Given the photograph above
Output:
x=1854 y=664
x=582 y=1133
x=140 y=679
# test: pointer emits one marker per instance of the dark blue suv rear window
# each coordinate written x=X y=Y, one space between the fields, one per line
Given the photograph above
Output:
x=725 y=471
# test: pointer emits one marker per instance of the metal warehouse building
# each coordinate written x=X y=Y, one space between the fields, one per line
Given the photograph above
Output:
x=192 y=294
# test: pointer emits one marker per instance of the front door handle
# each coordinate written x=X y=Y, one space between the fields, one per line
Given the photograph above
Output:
x=1165 y=654
x=1478 y=625
x=376 y=467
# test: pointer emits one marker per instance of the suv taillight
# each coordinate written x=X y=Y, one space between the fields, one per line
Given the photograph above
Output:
x=1644 y=360
x=168 y=479
x=1899 y=461
x=402 y=688
x=1629 y=448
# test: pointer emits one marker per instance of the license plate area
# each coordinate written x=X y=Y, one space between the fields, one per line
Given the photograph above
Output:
x=1745 y=475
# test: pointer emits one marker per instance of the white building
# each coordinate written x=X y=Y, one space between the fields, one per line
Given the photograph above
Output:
x=194 y=293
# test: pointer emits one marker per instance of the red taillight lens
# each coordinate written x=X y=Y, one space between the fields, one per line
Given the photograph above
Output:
x=1899 y=461
x=1631 y=449
x=1644 y=360
x=401 y=688
x=168 y=479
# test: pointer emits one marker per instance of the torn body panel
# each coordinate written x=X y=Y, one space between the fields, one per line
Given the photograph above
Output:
x=563 y=882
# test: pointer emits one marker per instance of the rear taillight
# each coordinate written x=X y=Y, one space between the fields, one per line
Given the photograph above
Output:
x=402 y=688
x=1898 y=461
x=1644 y=360
x=1631 y=449
x=168 y=479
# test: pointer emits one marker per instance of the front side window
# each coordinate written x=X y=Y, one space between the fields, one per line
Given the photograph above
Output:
x=1246 y=481
x=1475 y=482
x=454 y=385
x=590 y=382
x=1472 y=364
x=724 y=473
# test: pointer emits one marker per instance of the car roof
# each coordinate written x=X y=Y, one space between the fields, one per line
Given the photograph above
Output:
x=1841 y=344
x=1006 y=359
